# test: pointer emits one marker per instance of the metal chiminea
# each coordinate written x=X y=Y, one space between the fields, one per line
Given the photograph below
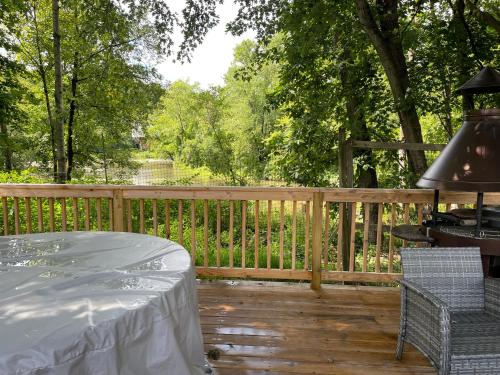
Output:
x=471 y=160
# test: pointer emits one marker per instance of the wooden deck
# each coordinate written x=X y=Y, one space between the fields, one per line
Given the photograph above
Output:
x=262 y=328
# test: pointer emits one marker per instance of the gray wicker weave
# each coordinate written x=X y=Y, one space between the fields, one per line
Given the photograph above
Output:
x=449 y=311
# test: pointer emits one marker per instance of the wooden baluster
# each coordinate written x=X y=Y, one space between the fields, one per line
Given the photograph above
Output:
x=193 y=230
x=217 y=244
x=16 y=215
x=379 y=236
x=141 y=216
x=243 y=233
x=167 y=219
x=306 y=239
x=5 y=216
x=366 y=232
x=64 y=219
x=406 y=218
x=231 y=234
x=111 y=215
x=269 y=234
x=256 y=236
x=51 y=215
x=294 y=234
x=180 y=223
x=391 y=238
x=420 y=213
x=340 y=236
x=205 y=233
x=27 y=207
x=39 y=209
x=75 y=214
x=317 y=246
x=282 y=234
x=99 y=213
x=87 y=214
x=129 y=216
x=327 y=235
x=155 y=218
x=352 y=245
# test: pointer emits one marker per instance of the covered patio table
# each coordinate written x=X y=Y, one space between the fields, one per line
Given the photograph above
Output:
x=98 y=303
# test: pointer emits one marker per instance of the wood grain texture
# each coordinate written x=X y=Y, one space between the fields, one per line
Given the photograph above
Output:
x=290 y=329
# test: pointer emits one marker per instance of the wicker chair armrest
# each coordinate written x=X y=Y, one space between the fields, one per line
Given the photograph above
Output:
x=424 y=293
x=492 y=296
x=428 y=322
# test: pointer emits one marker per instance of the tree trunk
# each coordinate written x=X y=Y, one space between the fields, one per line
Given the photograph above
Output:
x=43 y=76
x=483 y=16
x=387 y=42
x=59 y=119
x=71 y=117
x=7 y=151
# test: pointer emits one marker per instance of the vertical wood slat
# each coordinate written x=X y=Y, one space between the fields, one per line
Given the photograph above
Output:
x=406 y=218
x=16 y=216
x=243 y=233
x=87 y=214
x=64 y=219
x=352 y=243
x=231 y=234
x=269 y=234
x=180 y=223
x=27 y=207
x=306 y=233
x=39 y=209
x=366 y=233
x=51 y=215
x=256 y=236
x=111 y=214
x=420 y=213
x=141 y=216
x=129 y=215
x=193 y=230
x=217 y=244
x=116 y=212
x=75 y=213
x=6 y=216
x=205 y=233
x=294 y=234
x=340 y=236
x=99 y=213
x=379 y=236
x=316 y=240
x=167 y=219
x=391 y=238
x=155 y=217
x=282 y=234
x=327 y=235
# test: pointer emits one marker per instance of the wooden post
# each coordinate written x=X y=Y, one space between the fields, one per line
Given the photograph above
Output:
x=317 y=227
x=118 y=210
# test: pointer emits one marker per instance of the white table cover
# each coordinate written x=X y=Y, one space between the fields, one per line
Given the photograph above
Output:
x=97 y=303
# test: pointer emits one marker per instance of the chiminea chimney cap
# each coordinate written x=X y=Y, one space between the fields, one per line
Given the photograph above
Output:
x=485 y=82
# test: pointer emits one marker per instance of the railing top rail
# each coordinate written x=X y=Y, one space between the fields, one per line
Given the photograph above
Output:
x=240 y=193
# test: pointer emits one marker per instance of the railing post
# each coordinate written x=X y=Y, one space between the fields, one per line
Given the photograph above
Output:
x=317 y=227
x=118 y=215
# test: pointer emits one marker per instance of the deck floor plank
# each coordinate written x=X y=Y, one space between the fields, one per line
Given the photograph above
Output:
x=285 y=329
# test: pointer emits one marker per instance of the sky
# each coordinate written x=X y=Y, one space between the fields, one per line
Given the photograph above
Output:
x=211 y=59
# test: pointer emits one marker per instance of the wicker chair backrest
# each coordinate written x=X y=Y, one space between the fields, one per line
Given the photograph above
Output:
x=454 y=275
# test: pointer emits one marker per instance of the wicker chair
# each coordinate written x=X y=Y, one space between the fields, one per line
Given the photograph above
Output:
x=449 y=311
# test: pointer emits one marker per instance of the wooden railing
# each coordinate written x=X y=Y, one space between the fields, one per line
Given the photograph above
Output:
x=309 y=234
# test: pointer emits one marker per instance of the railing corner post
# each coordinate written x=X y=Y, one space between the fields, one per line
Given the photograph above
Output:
x=118 y=214
x=317 y=227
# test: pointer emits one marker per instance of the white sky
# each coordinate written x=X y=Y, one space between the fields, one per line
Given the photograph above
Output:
x=211 y=59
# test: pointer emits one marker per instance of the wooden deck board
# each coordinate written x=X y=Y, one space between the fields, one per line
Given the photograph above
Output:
x=285 y=329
